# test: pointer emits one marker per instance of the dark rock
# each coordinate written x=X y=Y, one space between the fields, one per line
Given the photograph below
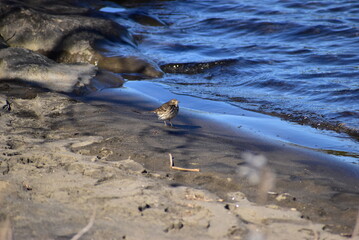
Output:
x=145 y=19
x=27 y=66
x=71 y=34
x=41 y=29
x=194 y=67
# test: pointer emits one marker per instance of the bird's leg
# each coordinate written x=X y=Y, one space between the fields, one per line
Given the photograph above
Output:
x=165 y=122
x=170 y=123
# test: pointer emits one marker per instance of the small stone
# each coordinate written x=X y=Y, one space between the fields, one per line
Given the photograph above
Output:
x=283 y=196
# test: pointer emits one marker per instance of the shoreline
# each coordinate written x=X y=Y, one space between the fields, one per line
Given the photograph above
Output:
x=68 y=161
x=297 y=165
x=261 y=126
x=202 y=123
x=75 y=162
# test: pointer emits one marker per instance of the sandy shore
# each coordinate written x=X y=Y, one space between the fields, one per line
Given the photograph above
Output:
x=66 y=163
x=97 y=167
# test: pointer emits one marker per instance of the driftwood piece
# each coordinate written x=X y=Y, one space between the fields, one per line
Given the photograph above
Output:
x=180 y=168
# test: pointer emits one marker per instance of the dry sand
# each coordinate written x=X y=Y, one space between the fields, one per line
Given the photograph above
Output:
x=72 y=168
x=66 y=164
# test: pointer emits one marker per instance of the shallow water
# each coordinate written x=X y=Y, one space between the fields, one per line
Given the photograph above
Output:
x=293 y=59
x=239 y=121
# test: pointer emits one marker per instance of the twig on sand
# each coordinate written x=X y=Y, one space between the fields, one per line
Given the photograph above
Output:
x=179 y=168
x=86 y=228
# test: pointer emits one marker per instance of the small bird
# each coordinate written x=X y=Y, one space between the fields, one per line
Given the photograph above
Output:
x=167 y=111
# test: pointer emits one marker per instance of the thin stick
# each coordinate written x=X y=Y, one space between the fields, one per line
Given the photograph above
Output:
x=171 y=160
x=87 y=228
x=179 y=168
x=186 y=169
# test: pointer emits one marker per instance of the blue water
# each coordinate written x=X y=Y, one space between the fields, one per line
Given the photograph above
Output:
x=297 y=60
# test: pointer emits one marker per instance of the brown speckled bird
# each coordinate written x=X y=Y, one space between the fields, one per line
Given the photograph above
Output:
x=167 y=111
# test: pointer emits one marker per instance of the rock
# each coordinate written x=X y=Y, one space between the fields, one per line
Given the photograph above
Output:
x=87 y=47
x=25 y=65
x=285 y=197
x=130 y=165
x=194 y=67
x=72 y=34
x=146 y=19
x=105 y=79
x=45 y=28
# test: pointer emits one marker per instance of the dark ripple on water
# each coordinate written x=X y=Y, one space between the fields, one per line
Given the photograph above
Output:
x=289 y=58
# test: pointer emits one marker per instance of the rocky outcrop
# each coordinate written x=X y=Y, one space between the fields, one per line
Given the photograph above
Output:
x=30 y=67
x=70 y=34
x=194 y=67
x=25 y=65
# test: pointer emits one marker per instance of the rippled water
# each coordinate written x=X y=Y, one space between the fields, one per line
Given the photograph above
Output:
x=295 y=59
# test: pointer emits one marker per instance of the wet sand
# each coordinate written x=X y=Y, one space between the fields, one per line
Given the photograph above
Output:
x=64 y=158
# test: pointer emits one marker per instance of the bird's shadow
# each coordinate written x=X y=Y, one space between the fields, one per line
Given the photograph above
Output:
x=184 y=127
x=180 y=130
